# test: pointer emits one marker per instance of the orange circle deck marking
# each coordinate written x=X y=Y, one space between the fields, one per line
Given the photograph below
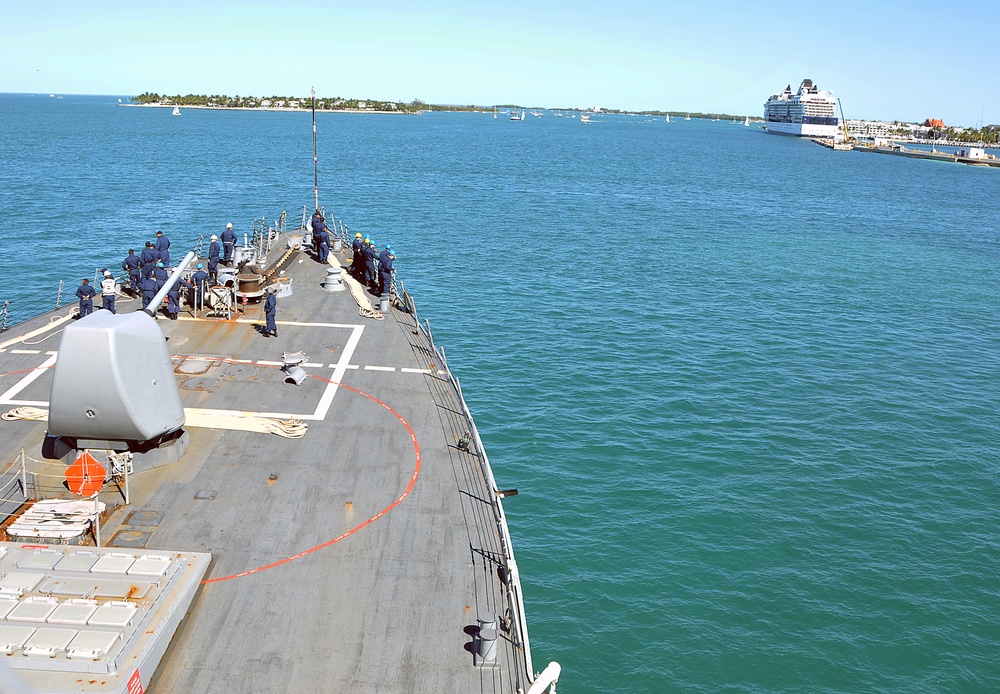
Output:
x=364 y=524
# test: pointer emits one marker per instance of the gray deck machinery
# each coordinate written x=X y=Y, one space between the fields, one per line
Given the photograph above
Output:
x=113 y=389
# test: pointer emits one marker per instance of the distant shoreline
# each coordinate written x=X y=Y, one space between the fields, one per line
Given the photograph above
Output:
x=270 y=108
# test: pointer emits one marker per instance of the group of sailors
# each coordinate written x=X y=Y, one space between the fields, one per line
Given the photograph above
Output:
x=369 y=266
x=147 y=273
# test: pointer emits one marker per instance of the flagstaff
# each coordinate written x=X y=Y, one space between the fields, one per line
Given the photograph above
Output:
x=315 y=173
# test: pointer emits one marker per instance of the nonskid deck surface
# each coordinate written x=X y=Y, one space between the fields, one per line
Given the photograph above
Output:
x=357 y=557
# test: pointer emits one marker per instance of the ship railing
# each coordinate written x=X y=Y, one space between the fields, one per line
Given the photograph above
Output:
x=512 y=577
x=27 y=306
x=264 y=236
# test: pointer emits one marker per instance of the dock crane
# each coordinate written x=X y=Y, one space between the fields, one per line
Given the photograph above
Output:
x=848 y=143
x=843 y=123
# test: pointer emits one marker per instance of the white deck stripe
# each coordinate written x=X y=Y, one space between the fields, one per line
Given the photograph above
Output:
x=28 y=379
x=338 y=374
x=380 y=368
x=415 y=371
x=26 y=351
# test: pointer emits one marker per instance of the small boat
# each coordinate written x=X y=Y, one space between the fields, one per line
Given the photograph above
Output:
x=746 y=121
x=585 y=118
x=177 y=111
x=667 y=119
x=688 y=117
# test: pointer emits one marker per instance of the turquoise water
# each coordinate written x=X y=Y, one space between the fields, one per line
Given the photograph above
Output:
x=747 y=387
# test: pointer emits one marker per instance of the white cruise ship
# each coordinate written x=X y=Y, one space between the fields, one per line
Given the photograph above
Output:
x=810 y=112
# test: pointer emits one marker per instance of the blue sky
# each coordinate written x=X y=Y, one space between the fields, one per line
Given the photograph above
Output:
x=885 y=59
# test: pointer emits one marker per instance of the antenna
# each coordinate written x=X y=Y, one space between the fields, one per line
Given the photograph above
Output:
x=315 y=172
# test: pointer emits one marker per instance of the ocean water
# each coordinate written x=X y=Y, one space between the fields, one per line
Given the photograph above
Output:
x=747 y=387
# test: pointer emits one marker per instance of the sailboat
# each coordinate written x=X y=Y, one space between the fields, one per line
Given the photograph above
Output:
x=667 y=119
x=177 y=111
x=746 y=121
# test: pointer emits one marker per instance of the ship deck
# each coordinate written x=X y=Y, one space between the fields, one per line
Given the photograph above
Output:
x=356 y=558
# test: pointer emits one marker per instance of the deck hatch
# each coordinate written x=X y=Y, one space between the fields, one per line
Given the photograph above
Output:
x=81 y=561
x=73 y=611
x=6 y=605
x=113 y=563
x=13 y=637
x=39 y=560
x=113 y=614
x=49 y=640
x=35 y=608
x=150 y=565
x=91 y=643
x=19 y=582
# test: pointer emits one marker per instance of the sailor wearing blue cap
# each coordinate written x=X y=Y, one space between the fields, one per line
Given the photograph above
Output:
x=369 y=254
x=161 y=275
x=385 y=259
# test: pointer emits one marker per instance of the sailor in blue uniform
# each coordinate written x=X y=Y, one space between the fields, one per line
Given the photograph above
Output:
x=324 y=244
x=86 y=294
x=174 y=298
x=358 y=259
x=148 y=289
x=163 y=248
x=213 y=257
x=369 y=254
x=270 y=311
x=148 y=258
x=160 y=274
x=316 y=224
x=108 y=292
x=200 y=281
x=131 y=266
x=385 y=269
x=228 y=243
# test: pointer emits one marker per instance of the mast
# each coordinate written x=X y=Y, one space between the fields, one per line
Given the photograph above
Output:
x=315 y=173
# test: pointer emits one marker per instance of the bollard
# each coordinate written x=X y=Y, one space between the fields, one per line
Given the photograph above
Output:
x=338 y=245
x=383 y=303
x=485 y=643
x=333 y=283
